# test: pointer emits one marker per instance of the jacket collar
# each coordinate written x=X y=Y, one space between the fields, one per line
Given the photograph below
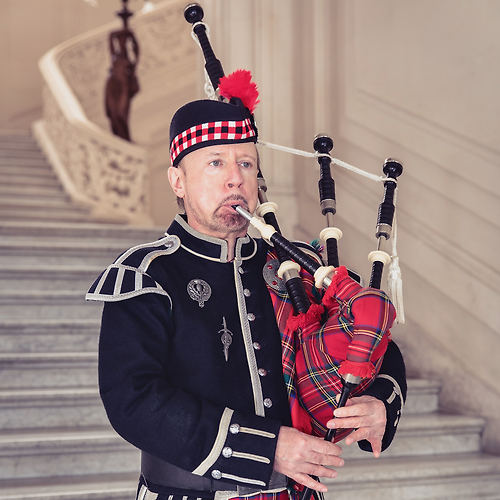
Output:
x=209 y=247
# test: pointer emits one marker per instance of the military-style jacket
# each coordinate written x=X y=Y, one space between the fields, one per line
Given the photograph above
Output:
x=190 y=357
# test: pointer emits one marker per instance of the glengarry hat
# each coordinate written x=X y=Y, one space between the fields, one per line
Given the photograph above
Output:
x=203 y=123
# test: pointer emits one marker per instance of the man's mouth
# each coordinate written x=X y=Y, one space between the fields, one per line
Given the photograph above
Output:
x=231 y=203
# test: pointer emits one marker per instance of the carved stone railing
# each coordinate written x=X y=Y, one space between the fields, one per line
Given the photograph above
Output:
x=97 y=169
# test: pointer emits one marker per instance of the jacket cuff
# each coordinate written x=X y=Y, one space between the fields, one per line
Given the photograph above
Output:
x=243 y=452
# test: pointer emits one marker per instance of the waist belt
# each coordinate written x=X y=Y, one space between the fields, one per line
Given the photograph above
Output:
x=159 y=472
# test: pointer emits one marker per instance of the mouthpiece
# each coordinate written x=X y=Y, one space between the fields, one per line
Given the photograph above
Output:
x=242 y=211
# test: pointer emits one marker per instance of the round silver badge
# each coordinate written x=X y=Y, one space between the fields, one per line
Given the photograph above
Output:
x=272 y=279
x=199 y=291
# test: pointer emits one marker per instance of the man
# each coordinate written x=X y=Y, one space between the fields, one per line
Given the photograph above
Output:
x=190 y=353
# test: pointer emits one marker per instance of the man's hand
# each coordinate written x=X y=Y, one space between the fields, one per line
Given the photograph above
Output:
x=298 y=455
x=366 y=414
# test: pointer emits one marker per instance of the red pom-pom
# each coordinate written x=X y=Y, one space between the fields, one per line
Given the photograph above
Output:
x=309 y=318
x=239 y=84
x=363 y=370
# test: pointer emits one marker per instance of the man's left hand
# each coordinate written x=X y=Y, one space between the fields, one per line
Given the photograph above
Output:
x=367 y=415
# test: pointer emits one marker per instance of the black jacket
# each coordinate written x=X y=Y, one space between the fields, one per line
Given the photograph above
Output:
x=164 y=378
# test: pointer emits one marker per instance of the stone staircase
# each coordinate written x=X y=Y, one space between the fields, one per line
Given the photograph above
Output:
x=55 y=440
x=29 y=189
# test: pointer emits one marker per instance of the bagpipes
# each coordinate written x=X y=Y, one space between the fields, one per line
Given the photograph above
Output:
x=334 y=331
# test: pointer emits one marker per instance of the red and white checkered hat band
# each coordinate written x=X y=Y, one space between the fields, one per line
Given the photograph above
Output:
x=212 y=131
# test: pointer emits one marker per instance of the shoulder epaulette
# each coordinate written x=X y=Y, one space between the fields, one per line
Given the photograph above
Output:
x=127 y=277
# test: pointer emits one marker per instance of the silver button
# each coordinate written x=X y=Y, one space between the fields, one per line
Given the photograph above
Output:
x=251 y=317
x=234 y=428
x=262 y=372
x=216 y=474
x=268 y=403
x=256 y=346
x=227 y=452
x=240 y=270
x=247 y=292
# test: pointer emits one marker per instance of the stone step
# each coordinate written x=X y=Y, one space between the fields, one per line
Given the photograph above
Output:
x=50 y=304
x=22 y=138
x=30 y=166
x=64 y=253
x=18 y=146
x=19 y=150
x=18 y=143
x=73 y=407
x=51 y=205
x=32 y=214
x=102 y=487
x=46 y=277
x=35 y=370
x=443 y=477
x=33 y=192
x=423 y=396
x=82 y=232
x=22 y=181
x=65 y=452
x=429 y=434
x=48 y=335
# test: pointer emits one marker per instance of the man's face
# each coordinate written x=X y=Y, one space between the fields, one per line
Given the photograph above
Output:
x=212 y=179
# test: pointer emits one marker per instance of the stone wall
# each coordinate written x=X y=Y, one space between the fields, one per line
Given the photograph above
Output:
x=413 y=80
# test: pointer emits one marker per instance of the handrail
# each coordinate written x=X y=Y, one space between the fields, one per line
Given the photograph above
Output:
x=96 y=168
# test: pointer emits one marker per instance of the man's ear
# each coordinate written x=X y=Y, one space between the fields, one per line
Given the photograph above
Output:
x=176 y=178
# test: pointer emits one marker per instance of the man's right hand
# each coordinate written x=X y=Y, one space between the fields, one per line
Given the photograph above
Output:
x=299 y=456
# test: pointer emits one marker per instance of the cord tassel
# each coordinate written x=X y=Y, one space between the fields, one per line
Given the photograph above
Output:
x=394 y=277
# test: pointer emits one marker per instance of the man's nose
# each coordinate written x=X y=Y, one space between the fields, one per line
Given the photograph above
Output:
x=234 y=177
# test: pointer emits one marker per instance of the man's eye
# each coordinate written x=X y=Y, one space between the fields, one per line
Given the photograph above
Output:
x=246 y=164
x=215 y=163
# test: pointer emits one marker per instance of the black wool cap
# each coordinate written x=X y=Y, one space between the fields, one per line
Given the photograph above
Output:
x=203 y=123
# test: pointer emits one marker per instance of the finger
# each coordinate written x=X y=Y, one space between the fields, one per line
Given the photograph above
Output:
x=354 y=409
x=360 y=415
x=326 y=448
x=317 y=450
x=349 y=422
x=309 y=482
x=366 y=433
x=361 y=405
x=376 y=447
x=325 y=460
x=374 y=436
x=375 y=442
x=319 y=471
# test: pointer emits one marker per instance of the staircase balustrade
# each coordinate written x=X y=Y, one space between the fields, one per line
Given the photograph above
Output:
x=97 y=168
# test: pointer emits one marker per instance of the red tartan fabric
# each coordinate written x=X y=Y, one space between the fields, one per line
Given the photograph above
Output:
x=352 y=340
x=370 y=315
x=233 y=130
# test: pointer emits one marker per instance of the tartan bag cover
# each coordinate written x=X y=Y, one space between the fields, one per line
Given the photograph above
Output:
x=315 y=352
